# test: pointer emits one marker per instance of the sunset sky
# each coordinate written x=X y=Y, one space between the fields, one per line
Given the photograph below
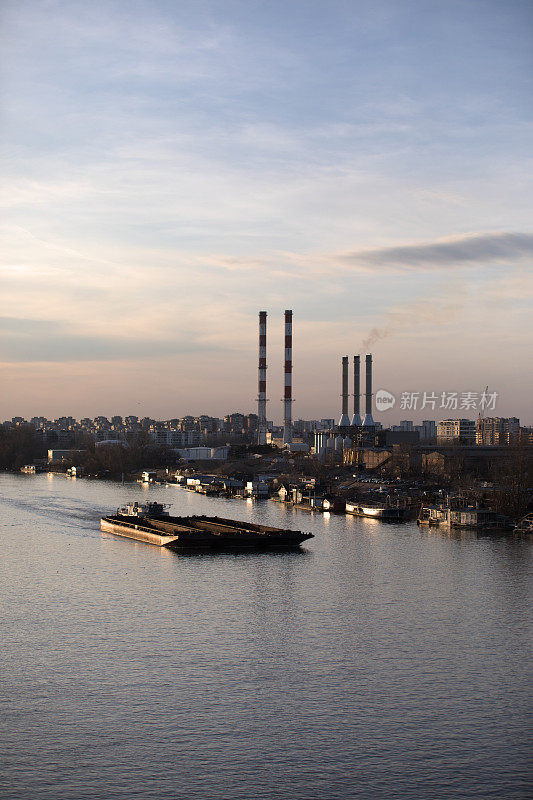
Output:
x=171 y=168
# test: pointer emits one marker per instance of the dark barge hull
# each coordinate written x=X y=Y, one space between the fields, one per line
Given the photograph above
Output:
x=200 y=532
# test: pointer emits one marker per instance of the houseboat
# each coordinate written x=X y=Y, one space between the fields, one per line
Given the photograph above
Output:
x=148 y=476
x=462 y=516
x=525 y=525
x=376 y=511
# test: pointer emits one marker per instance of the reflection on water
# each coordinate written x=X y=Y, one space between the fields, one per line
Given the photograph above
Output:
x=382 y=661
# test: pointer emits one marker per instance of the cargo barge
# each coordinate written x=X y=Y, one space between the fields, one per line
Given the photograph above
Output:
x=152 y=523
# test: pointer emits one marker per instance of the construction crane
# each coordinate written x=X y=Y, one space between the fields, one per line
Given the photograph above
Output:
x=481 y=413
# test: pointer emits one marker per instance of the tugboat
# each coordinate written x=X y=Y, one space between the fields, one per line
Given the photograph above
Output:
x=152 y=523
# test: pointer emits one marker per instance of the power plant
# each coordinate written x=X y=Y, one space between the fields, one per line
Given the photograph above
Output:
x=287 y=399
x=345 y=424
x=344 y=421
x=261 y=393
x=356 y=419
x=287 y=389
x=368 y=422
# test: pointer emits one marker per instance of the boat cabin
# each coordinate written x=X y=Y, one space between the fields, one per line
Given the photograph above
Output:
x=136 y=509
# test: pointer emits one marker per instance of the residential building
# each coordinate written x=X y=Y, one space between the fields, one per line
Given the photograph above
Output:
x=427 y=430
x=497 y=431
x=461 y=431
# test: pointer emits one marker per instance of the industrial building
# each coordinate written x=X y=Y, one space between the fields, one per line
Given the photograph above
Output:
x=262 y=430
x=345 y=423
x=261 y=393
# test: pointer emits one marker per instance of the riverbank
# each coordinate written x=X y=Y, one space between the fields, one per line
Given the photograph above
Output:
x=365 y=497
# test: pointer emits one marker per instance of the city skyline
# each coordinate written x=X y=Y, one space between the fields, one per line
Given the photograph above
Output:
x=173 y=168
x=403 y=420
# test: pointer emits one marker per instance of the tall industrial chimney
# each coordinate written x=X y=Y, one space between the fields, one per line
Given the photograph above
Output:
x=261 y=394
x=287 y=398
x=356 y=419
x=344 y=420
x=368 y=421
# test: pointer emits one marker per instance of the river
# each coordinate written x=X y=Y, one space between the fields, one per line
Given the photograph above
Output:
x=382 y=662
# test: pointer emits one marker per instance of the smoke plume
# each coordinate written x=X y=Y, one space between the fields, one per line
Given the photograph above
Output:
x=374 y=336
x=450 y=301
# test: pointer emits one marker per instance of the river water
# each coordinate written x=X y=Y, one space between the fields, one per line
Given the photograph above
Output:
x=382 y=662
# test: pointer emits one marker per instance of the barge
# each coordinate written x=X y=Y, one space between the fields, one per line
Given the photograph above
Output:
x=152 y=523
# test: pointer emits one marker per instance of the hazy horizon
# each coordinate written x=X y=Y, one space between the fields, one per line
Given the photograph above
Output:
x=172 y=168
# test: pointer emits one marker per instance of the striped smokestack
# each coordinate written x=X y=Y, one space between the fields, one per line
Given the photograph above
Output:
x=356 y=419
x=368 y=421
x=287 y=397
x=344 y=420
x=261 y=394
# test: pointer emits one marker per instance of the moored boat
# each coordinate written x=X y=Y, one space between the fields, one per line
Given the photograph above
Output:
x=376 y=511
x=525 y=525
x=152 y=523
x=459 y=515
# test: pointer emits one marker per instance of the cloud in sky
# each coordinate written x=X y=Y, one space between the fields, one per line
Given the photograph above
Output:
x=172 y=168
x=35 y=340
x=455 y=251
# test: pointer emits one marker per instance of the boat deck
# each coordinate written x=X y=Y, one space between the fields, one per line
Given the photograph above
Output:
x=201 y=532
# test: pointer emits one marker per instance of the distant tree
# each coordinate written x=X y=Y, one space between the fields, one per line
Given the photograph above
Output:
x=19 y=445
x=118 y=459
x=512 y=474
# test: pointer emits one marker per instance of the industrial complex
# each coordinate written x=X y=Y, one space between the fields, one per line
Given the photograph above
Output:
x=345 y=424
x=352 y=463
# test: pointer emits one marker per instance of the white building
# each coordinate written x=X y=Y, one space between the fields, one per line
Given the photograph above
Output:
x=204 y=453
x=456 y=430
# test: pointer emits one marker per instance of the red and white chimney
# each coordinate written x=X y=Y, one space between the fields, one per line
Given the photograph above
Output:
x=287 y=397
x=261 y=393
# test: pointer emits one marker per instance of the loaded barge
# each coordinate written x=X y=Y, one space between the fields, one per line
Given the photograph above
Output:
x=152 y=523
